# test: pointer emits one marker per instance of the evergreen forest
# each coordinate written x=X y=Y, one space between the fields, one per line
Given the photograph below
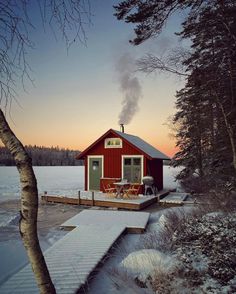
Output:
x=205 y=118
x=43 y=156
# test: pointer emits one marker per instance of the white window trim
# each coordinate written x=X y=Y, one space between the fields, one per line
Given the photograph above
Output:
x=131 y=156
x=90 y=157
x=113 y=146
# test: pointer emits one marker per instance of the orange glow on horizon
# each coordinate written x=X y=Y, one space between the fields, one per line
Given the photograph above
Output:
x=80 y=140
x=167 y=147
x=77 y=95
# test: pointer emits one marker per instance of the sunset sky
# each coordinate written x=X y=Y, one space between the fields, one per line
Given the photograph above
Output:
x=76 y=95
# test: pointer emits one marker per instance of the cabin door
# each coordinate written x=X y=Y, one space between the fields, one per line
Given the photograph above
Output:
x=95 y=172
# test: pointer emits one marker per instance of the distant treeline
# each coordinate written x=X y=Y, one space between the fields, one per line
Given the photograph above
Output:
x=43 y=156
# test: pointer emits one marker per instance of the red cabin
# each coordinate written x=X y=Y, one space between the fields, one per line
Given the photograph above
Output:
x=117 y=155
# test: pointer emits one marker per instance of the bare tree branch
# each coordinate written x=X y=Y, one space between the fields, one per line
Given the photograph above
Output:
x=68 y=17
x=151 y=63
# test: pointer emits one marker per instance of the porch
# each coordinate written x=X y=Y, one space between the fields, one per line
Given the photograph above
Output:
x=100 y=199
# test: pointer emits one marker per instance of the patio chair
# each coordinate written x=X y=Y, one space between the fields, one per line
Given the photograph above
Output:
x=132 y=191
x=110 y=191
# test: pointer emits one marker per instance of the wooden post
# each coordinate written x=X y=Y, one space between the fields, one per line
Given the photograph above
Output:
x=92 y=198
x=78 y=197
x=45 y=196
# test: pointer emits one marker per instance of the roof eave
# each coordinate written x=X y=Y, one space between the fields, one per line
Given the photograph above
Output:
x=82 y=155
x=138 y=149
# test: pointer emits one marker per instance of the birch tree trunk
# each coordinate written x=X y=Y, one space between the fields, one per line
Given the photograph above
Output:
x=29 y=207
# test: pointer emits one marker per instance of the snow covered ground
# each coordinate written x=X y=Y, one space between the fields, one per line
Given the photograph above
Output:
x=174 y=257
x=62 y=180
x=59 y=180
x=55 y=180
x=179 y=253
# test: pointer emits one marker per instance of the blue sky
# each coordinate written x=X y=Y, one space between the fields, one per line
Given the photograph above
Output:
x=76 y=95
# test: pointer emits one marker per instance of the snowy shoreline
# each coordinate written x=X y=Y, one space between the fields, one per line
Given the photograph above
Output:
x=61 y=180
x=12 y=252
x=125 y=271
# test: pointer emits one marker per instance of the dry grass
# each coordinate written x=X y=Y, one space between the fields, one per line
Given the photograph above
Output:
x=125 y=284
x=174 y=221
x=202 y=244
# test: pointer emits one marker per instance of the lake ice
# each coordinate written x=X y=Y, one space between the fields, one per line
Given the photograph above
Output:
x=54 y=179
x=58 y=180
x=63 y=180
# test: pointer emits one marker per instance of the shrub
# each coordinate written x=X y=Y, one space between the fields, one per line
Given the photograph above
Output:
x=202 y=244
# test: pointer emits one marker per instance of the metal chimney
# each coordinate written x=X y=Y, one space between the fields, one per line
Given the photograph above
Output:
x=122 y=129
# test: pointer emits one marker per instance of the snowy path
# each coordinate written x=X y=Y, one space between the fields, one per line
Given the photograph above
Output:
x=74 y=257
x=129 y=220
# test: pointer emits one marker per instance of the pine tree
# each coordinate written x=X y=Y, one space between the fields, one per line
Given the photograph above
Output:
x=206 y=106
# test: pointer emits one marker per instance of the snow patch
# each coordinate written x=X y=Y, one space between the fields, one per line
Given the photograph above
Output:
x=8 y=219
x=163 y=221
x=143 y=263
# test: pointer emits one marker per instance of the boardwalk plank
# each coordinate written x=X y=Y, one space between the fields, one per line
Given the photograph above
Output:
x=73 y=258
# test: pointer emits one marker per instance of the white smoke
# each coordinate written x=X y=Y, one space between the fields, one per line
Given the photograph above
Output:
x=129 y=86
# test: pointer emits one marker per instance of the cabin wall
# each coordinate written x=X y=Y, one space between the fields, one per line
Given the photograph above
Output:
x=155 y=169
x=112 y=161
x=112 y=158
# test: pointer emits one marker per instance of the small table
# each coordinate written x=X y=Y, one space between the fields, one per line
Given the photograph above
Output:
x=120 y=186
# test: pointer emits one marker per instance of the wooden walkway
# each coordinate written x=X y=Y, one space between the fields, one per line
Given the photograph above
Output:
x=174 y=198
x=73 y=259
x=133 y=221
x=102 y=200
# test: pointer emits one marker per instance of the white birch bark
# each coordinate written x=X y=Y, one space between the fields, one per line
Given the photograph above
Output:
x=29 y=207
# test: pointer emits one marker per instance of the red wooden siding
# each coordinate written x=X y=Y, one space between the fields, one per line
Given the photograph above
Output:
x=112 y=157
x=113 y=160
x=155 y=169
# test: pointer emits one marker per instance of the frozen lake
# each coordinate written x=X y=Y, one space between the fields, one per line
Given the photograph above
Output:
x=61 y=180
x=65 y=180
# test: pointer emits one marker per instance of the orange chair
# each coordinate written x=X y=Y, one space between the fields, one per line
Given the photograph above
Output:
x=110 y=191
x=132 y=191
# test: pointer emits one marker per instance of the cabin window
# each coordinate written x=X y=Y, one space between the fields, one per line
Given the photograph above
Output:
x=132 y=167
x=95 y=165
x=127 y=161
x=113 y=143
x=137 y=161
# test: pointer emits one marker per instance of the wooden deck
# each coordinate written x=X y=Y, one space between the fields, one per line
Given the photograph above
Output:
x=174 y=198
x=103 y=200
x=134 y=222
x=72 y=260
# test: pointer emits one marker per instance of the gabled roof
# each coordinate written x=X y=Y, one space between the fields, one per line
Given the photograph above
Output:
x=142 y=145
x=135 y=141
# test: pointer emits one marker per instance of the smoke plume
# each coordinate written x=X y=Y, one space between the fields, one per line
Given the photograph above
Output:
x=129 y=86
